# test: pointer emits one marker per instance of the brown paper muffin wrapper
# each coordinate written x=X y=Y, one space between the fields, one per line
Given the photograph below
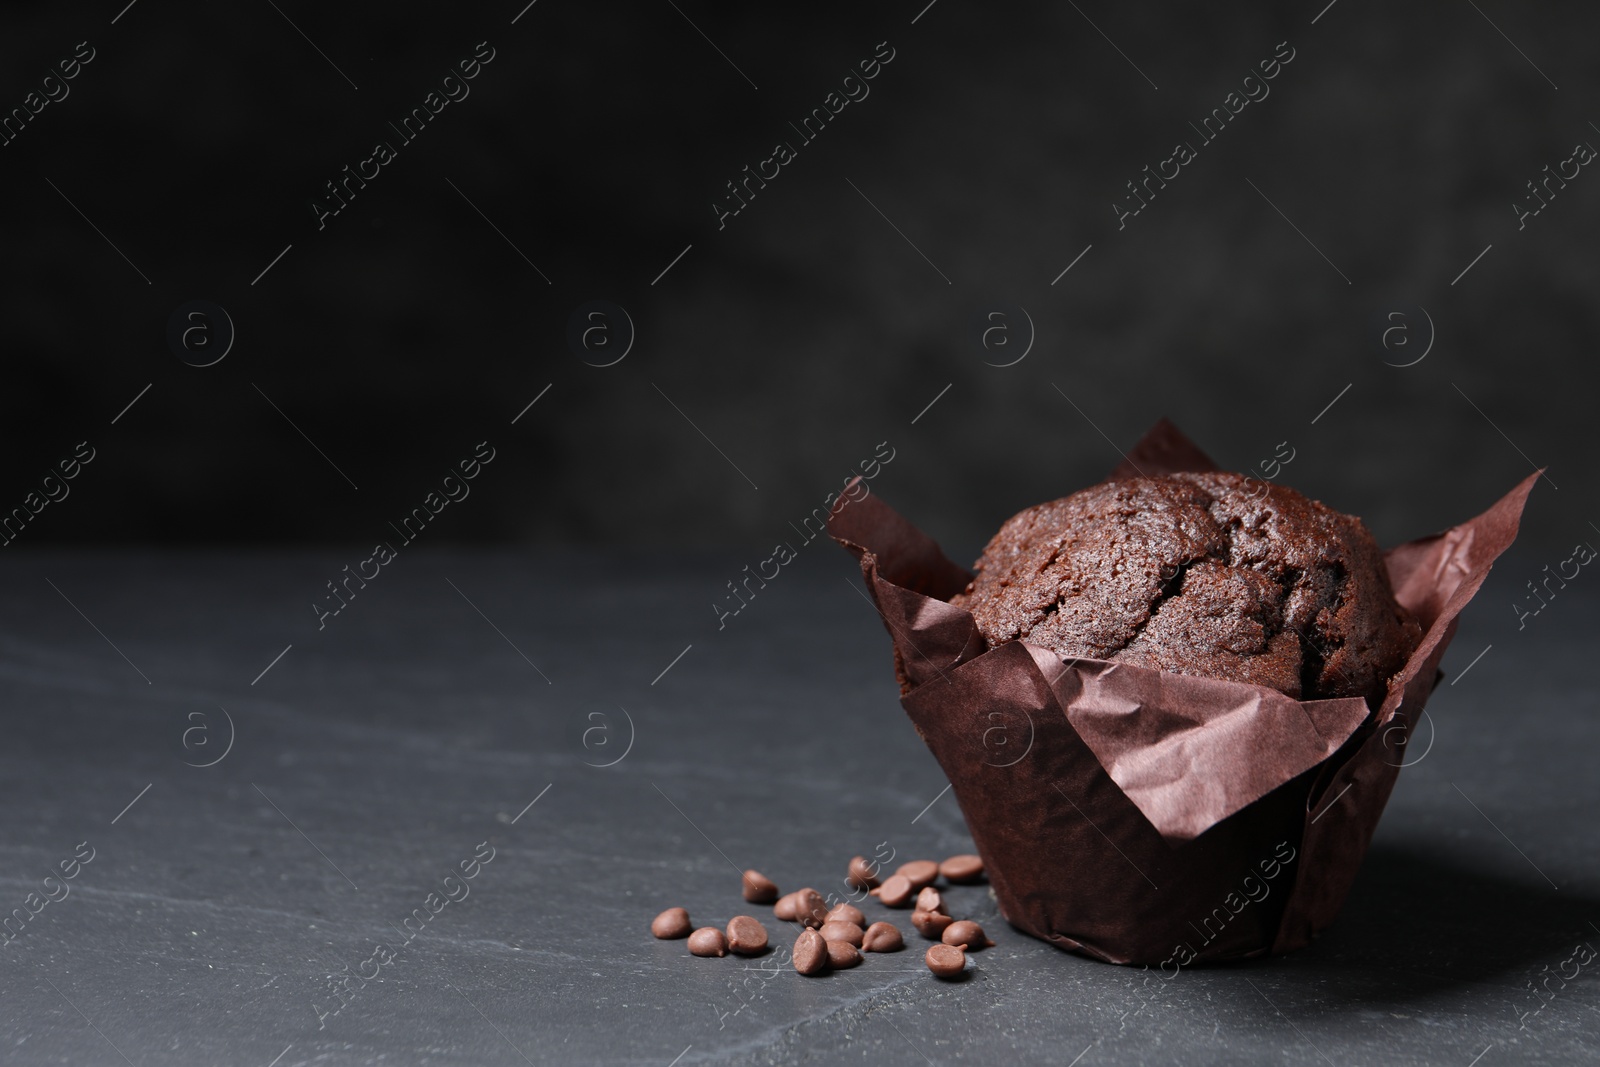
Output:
x=1140 y=816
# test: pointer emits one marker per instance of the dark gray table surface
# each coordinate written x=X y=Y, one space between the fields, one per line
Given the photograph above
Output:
x=456 y=689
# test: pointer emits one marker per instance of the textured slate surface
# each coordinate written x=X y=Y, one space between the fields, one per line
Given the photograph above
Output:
x=378 y=753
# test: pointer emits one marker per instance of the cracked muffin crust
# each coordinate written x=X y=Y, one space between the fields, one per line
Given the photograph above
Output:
x=1208 y=574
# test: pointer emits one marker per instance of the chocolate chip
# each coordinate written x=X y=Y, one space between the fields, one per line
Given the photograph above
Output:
x=809 y=907
x=946 y=961
x=784 y=908
x=930 y=924
x=882 y=937
x=708 y=941
x=862 y=874
x=746 y=936
x=758 y=888
x=965 y=934
x=847 y=913
x=672 y=923
x=919 y=872
x=895 y=892
x=810 y=953
x=841 y=931
x=930 y=900
x=842 y=954
x=962 y=870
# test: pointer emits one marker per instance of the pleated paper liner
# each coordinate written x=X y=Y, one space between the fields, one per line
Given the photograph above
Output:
x=1145 y=817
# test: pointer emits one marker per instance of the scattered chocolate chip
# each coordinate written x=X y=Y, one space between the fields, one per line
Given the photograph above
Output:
x=758 y=888
x=962 y=870
x=965 y=934
x=841 y=931
x=882 y=937
x=784 y=908
x=809 y=907
x=746 y=936
x=672 y=923
x=919 y=872
x=895 y=892
x=810 y=953
x=842 y=954
x=847 y=913
x=945 y=961
x=862 y=874
x=930 y=900
x=930 y=924
x=708 y=941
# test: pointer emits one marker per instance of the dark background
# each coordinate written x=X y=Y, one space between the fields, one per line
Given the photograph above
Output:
x=807 y=330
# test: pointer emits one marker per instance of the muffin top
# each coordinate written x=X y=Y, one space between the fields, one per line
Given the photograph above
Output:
x=1208 y=574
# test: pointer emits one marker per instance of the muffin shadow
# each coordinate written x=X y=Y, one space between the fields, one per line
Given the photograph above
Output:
x=1439 y=924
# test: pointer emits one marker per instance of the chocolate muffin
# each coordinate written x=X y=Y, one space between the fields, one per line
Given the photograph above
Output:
x=1209 y=574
